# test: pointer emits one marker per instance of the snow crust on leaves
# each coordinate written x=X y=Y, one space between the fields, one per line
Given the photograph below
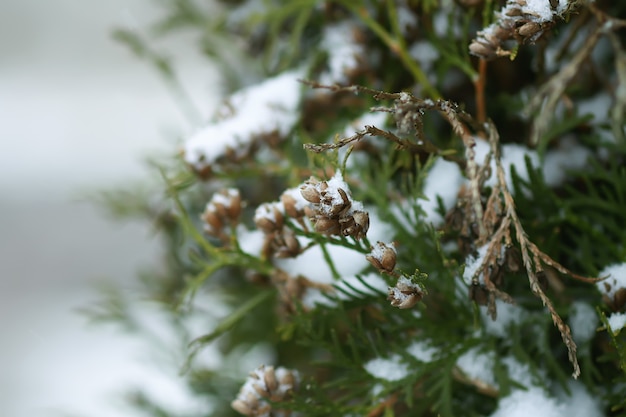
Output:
x=389 y=369
x=253 y=111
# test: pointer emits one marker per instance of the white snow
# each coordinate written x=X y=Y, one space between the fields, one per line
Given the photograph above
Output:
x=533 y=402
x=422 y=351
x=391 y=369
x=543 y=10
x=598 y=106
x=225 y=199
x=616 y=279
x=617 y=321
x=380 y=248
x=312 y=264
x=583 y=322
x=268 y=211
x=478 y=366
x=512 y=155
x=568 y=155
x=250 y=241
x=508 y=314
x=472 y=263
x=295 y=193
x=580 y=403
x=260 y=109
x=444 y=180
x=518 y=371
x=343 y=52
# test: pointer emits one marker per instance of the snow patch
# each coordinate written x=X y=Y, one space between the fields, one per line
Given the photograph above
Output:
x=254 y=111
x=392 y=369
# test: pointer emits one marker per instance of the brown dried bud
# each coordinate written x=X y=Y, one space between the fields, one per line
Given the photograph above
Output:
x=337 y=210
x=405 y=294
x=310 y=193
x=618 y=302
x=496 y=275
x=241 y=407
x=269 y=377
x=479 y=294
x=288 y=379
x=383 y=257
x=513 y=11
x=286 y=244
x=529 y=29
x=512 y=259
x=362 y=220
x=266 y=225
x=234 y=210
x=619 y=299
x=213 y=223
x=268 y=218
x=326 y=225
x=290 y=204
x=482 y=50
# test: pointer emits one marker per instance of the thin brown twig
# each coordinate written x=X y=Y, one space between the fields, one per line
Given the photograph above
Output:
x=479 y=87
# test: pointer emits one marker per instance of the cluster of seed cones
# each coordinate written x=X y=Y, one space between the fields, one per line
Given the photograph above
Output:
x=332 y=211
x=222 y=210
x=517 y=21
x=265 y=384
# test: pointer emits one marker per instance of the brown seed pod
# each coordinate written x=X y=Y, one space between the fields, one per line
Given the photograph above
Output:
x=482 y=50
x=512 y=259
x=383 y=257
x=479 y=294
x=529 y=29
x=269 y=377
x=290 y=203
x=326 y=225
x=310 y=193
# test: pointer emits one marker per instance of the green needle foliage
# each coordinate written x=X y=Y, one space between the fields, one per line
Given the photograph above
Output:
x=434 y=226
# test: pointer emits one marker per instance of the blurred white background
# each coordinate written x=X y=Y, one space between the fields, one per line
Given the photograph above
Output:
x=77 y=113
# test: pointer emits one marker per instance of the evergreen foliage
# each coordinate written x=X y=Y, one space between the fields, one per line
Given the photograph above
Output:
x=426 y=232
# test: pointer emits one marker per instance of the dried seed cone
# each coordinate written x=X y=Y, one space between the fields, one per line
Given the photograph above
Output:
x=405 y=294
x=515 y=21
x=265 y=383
x=383 y=257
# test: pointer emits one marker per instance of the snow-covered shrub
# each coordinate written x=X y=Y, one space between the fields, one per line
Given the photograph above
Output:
x=412 y=208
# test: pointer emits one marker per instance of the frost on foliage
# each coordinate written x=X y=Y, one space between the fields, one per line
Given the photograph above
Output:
x=388 y=369
x=261 y=109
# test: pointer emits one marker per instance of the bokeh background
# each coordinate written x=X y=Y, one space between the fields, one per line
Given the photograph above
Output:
x=78 y=113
